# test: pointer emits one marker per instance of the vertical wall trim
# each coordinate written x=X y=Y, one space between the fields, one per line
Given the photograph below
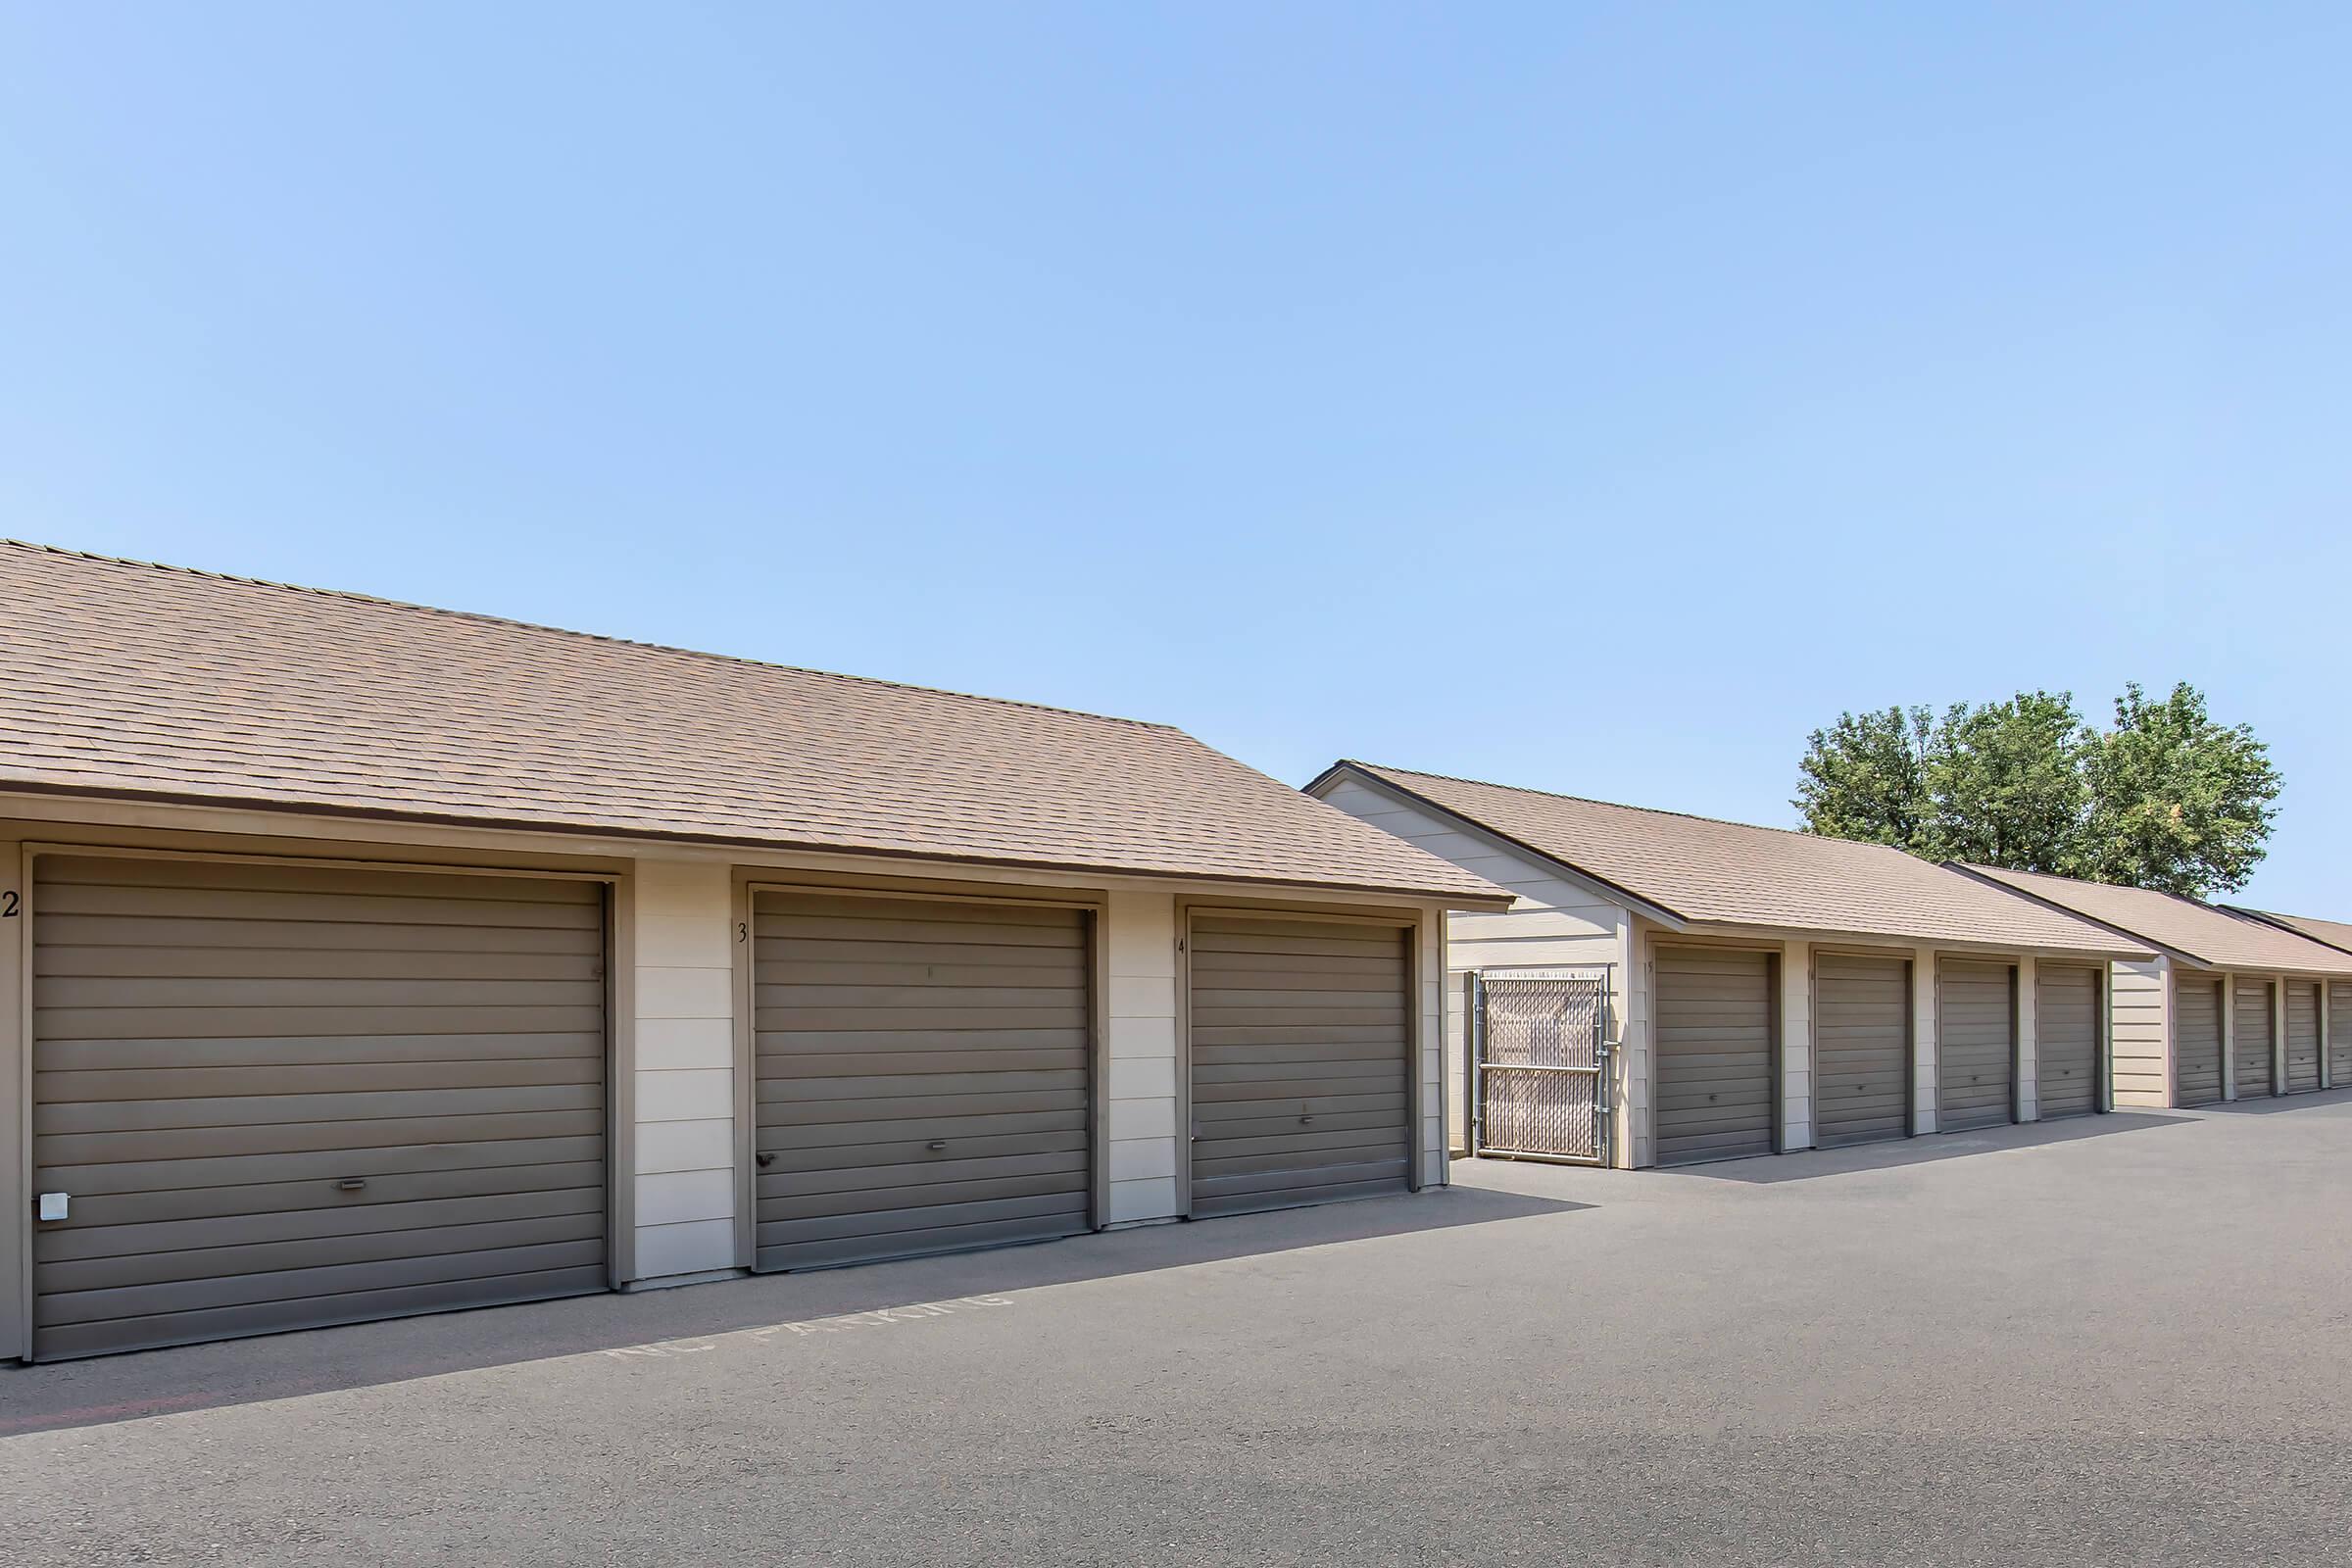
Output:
x=2025 y=1097
x=1926 y=991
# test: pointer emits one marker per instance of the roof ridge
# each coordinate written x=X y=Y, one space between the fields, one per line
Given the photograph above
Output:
x=1620 y=805
x=486 y=618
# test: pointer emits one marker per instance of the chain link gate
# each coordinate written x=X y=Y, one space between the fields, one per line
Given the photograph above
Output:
x=1539 y=1065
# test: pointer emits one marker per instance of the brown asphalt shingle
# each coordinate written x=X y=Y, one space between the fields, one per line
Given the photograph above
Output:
x=2218 y=938
x=123 y=678
x=2335 y=933
x=1707 y=870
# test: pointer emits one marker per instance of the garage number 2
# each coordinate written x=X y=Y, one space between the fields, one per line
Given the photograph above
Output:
x=11 y=906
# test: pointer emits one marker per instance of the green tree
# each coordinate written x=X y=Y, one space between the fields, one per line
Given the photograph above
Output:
x=2005 y=785
x=1865 y=777
x=2178 y=801
x=2168 y=799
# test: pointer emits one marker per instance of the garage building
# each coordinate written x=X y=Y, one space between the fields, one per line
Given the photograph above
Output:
x=360 y=959
x=2230 y=1005
x=1752 y=990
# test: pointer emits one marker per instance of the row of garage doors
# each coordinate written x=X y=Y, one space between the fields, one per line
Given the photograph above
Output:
x=275 y=1095
x=2198 y=1006
x=1717 y=1055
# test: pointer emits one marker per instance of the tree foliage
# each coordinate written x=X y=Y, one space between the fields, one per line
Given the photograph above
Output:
x=2166 y=799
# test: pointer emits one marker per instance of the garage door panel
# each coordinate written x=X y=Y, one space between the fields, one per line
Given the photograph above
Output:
x=934 y=1172
x=63 y=1150
x=1389 y=1103
x=1300 y=1036
x=363 y=941
x=227 y=1232
x=942 y=1115
x=1280 y=1069
x=2196 y=1042
x=65 y=898
x=131 y=1023
x=894 y=1198
x=2252 y=1021
x=248 y=1212
x=816 y=938
x=426 y=1240
x=925 y=1076
x=302 y=1284
x=878 y=1229
x=297 y=1052
x=2339 y=1033
x=390 y=1160
x=1861 y=1048
x=2066 y=1040
x=1712 y=1054
x=803 y=1087
x=1975 y=1046
x=247 y=966
x=353 y=1306
x=2302 y=1037
x=1277 y=1189
x=219 y=1046
x=211 y=994
x=312 y=1078
x=167 y=1116
x=800 y=1153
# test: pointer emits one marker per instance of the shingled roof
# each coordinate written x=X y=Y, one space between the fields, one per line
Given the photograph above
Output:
x=2202 y=933
x=126 y=680
x=1698 y=870
x=2335 y=933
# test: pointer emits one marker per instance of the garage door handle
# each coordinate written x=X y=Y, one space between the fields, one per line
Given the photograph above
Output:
x=352 y=1184
x=936 y=1145
x=763 y=1160
x=1303 y=1120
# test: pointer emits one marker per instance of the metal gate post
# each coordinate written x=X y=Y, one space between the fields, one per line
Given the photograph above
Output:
x=1477 y=1046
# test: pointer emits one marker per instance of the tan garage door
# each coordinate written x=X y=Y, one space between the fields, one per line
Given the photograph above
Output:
x=2251 y=1053
x=280 y=1097
x=2339 y=1034
x=1976 y=1045
x=925 y=1076
x=1861 y=1050
x=2066 y=1040
x=1715 y=1054
x=2196 y=1042
x=1301 y=1037
x=2302 y=1037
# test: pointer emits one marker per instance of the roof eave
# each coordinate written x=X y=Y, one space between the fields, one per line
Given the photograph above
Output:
x=1451 y=898
x=1672 y=919
x=2162 y=949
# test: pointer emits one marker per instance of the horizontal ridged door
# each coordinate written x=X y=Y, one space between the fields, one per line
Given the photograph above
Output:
x=280 y=1097
x=925 y=1076
x=1976 y=1045
x=2302 y=1037
x=2251 y=1045
x=2196 y=1040
x=1861 y=1050
x=1714 y=1056
x=2339 y=1033
x=1300 y=1039
x=2066 y=1022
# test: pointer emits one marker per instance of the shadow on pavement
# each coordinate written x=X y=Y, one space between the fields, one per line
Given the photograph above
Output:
x=199 y=1377
x=1813 y=1163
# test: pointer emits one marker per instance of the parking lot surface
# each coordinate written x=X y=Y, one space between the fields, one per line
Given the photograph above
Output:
x=2120 y=1339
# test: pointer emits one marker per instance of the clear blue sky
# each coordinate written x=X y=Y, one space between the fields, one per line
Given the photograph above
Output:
x=1595 y=397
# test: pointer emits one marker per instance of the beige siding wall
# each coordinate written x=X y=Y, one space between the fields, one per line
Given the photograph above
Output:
x=16 y=1334
x=2139 y=1011
x=1796 y=1046
x=1923 y=1040
x=681 y=924
x=2028 y=1036
x=1555 y=921
x=1140 y=936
